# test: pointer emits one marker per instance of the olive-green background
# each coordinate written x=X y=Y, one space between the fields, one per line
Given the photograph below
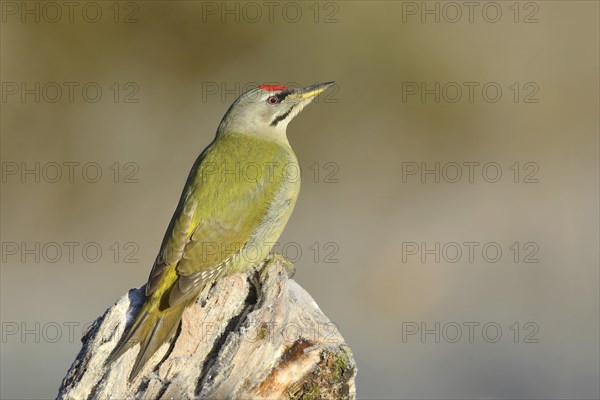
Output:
x=176 y=53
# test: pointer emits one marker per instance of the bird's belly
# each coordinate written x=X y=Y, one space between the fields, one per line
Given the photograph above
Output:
x=269 y=230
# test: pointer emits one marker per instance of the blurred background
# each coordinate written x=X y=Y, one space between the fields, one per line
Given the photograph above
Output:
x=448 y=220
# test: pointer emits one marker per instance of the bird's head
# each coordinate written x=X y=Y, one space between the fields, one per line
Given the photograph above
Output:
x=268 y=109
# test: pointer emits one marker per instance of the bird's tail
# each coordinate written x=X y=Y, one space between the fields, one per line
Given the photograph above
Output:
x=151 y=329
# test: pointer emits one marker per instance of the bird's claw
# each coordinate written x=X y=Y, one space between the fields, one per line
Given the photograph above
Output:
x=287 y=264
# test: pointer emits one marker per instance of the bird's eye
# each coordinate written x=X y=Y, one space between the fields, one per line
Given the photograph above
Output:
x=272 y=100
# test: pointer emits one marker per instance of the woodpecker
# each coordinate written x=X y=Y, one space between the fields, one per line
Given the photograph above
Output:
x=236 y=201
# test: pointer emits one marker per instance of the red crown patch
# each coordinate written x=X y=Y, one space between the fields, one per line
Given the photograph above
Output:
x=271 y=88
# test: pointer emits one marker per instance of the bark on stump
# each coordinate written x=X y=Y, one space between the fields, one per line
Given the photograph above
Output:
x=253 y=335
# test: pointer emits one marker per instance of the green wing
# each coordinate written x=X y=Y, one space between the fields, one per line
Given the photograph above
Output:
x=223 y=203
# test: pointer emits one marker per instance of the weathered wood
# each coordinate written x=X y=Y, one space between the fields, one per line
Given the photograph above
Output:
x=253 y=335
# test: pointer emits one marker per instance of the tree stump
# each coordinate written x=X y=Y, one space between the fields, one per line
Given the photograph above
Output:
x=253 y=335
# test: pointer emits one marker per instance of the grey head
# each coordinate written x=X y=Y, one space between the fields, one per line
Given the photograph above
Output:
x=268 y=109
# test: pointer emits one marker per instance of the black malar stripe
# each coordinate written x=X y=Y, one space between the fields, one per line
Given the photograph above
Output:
x=281 y=117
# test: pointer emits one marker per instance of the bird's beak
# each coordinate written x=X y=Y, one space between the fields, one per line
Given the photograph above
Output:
x=312 y=91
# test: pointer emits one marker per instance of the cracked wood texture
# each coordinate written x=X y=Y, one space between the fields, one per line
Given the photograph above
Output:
x=256 y=335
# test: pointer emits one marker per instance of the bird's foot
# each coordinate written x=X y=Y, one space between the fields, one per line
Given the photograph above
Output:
x=287 y=264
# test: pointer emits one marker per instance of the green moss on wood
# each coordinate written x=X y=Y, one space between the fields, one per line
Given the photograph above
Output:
x=328 y=380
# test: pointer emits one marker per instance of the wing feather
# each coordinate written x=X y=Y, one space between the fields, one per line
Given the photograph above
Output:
x=216 y=217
